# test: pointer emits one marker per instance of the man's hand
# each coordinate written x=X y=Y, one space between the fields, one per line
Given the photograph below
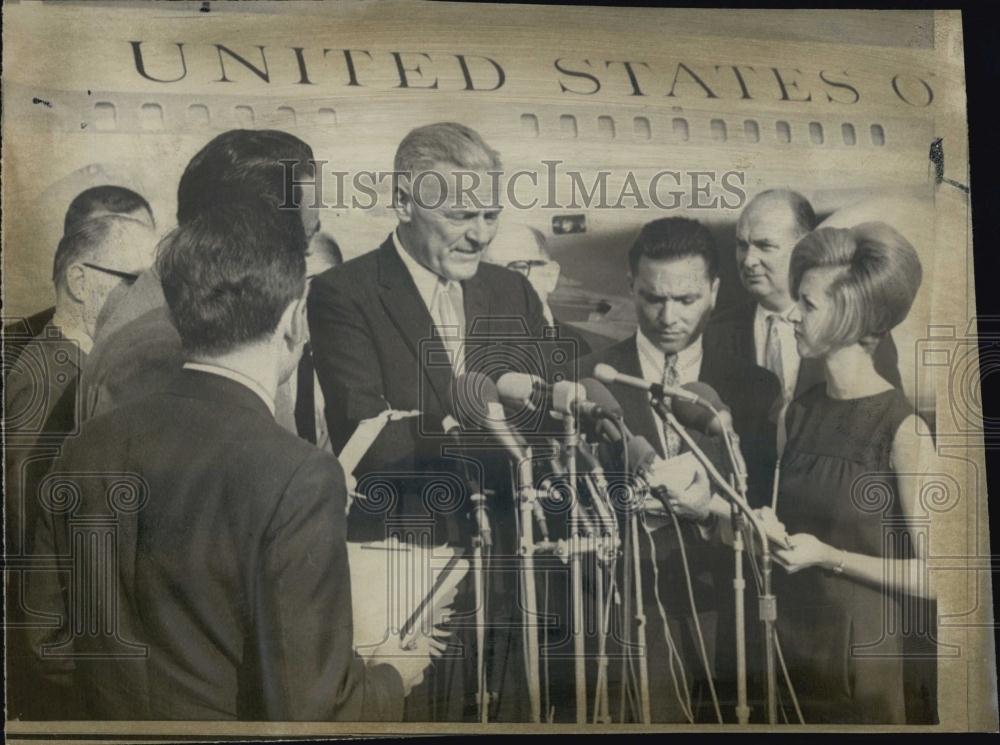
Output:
x=410 y=657
x=806 y=551
x=683 y=486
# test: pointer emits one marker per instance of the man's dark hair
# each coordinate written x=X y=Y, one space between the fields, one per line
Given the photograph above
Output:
x=103 y=200
x=244 y=166
x=674 y=238
x=228 y=275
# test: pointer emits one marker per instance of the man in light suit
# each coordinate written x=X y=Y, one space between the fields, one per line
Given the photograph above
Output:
x=225 y=593
x=387 y=331
x=673 y=276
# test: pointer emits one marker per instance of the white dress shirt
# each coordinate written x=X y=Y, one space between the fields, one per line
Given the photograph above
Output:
x=429 y=285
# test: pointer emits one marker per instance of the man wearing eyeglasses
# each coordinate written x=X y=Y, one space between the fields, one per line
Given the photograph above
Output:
x=96 y=260
x=523 y=250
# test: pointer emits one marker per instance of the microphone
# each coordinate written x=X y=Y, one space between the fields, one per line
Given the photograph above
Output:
x=608 y=375
x=520 y=388
x=706 y=416
x=453 y=429
x=476 y=403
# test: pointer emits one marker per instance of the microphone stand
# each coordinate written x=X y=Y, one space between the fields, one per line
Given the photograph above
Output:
x=526 y=497
x=482 y=544
x=768 y=603
x=639 y=614
x=571 y=440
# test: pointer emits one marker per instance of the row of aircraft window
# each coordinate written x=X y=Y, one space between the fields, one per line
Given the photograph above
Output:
x=198 y=115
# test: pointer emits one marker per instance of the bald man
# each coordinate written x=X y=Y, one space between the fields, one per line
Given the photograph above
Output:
x=759 y=331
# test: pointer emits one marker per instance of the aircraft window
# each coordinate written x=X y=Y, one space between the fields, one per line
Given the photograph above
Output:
x=244 y=116
x=529 y=125
x=151 y=116
x=752 y=130
x=681 y=129
x=327 y=117
x=105 y=116
x=718 y=130
x=641 y=128
x=606 y=127
x=567 y=123
x=197 y=115
x=784 y=132
x=816 y=133
x=878 y=135
x=286 y=116
x=847 y=132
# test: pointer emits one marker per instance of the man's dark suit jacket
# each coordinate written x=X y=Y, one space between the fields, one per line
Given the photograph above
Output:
x=371 y=335
x=230 y=569
x=748 y=391
x=367 y=323
x=731 y=332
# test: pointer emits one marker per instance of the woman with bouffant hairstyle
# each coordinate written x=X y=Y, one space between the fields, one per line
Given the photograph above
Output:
x=854 y=571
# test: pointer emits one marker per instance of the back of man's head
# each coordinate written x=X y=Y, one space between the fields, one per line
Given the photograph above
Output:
x=244 y=166
x=228 y=276
x=98 y=201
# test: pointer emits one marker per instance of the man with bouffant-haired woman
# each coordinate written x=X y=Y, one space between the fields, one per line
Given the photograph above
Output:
x=854 y=570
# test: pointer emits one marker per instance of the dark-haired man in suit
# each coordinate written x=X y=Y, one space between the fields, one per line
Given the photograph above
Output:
x=226 y=591
x=673 y=277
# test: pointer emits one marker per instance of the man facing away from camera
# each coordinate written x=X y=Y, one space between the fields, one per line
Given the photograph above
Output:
x=228 y=591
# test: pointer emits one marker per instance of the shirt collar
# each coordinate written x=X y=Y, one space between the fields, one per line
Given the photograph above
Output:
x=763 y=314
x=236 y=377
x=427 y=282
x=687 y=358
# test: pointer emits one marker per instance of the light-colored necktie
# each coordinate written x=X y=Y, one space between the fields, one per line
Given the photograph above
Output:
x=449 y=317
x=774 y=362
x=671 y=377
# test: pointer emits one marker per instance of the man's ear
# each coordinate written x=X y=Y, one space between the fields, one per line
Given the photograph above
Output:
x=402 y=204
x=76 y=282
x=293 y=326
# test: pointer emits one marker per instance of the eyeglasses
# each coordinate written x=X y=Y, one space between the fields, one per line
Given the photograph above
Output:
x=524 y=267
x=128 y=277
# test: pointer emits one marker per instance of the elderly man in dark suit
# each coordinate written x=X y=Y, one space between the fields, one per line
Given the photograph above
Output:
x=225 y=592
x=392 y=328
x=673 y=276
x=759 y=331
x=95 y=260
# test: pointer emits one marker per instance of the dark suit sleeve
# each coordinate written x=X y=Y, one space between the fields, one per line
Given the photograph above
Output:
x=48 y=595
x=347 y=363
x=303 y=611
x=887 y=361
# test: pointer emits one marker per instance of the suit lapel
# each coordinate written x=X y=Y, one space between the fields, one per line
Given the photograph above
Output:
x=476 y=302
x=406 y=309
